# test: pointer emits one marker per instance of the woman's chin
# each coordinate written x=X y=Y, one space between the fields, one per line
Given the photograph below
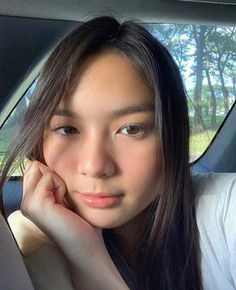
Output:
x=102 y=222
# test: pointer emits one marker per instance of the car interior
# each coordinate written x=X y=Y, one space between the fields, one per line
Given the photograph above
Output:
x=28 y=32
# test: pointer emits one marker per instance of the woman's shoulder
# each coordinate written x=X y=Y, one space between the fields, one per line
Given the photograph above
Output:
x=216 y=220
x=215 y=197
x=44 y=261
x=208 y=183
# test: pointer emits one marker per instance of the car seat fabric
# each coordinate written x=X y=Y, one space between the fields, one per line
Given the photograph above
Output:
x=13 y=273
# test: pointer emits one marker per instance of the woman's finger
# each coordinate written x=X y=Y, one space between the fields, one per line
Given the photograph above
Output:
x=34 y=172
x=59 y=187
x=31 y=178
x=41 y=183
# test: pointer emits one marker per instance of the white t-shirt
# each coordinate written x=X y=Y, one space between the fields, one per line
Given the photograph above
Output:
x=216 y=219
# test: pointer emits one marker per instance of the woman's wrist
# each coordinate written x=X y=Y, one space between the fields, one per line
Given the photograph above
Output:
x=95 y=281
x=97 y=273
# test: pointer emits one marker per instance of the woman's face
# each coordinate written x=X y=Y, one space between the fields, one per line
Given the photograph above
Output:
x=102 y=143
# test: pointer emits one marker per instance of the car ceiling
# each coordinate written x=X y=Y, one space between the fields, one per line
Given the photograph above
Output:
x=146 y=10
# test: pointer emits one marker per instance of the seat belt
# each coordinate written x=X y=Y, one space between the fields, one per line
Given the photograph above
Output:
x=13 y=273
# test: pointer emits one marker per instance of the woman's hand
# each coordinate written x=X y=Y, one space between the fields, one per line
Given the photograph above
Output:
x=44 y=203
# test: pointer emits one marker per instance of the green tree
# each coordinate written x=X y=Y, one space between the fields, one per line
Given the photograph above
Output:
x=206 y=55
x=222 y=45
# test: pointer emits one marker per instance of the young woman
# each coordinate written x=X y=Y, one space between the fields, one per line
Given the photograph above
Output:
x=108 y=180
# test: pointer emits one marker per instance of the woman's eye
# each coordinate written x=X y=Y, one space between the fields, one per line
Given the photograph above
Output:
x=66 y=130
x=133 y=130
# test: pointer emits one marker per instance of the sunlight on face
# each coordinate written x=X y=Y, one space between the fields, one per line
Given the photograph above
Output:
x=102 y=143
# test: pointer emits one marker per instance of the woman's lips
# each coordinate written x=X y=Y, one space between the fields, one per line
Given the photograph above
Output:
x=100 y=200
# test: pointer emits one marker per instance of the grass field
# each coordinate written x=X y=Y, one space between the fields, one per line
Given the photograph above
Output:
x=199 y=142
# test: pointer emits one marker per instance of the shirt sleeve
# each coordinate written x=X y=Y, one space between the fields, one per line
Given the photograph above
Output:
x=216 y=220
x=229 y=225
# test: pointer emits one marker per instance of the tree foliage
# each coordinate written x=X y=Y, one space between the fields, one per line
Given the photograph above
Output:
x=206 y=56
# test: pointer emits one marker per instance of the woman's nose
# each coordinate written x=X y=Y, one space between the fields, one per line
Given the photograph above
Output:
x=95 y=160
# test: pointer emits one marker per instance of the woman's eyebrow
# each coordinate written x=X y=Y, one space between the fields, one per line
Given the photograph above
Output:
x=65 y=113
x=137 y=108
x=132 y=109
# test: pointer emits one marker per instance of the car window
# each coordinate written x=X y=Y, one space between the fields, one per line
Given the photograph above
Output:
x=206 y=56
x=10 y=127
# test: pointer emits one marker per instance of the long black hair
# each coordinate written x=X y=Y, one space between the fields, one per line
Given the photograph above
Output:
x=168 y=254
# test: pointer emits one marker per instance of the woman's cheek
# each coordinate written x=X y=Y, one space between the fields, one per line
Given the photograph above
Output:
x=56 y=154
x=142 y=165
